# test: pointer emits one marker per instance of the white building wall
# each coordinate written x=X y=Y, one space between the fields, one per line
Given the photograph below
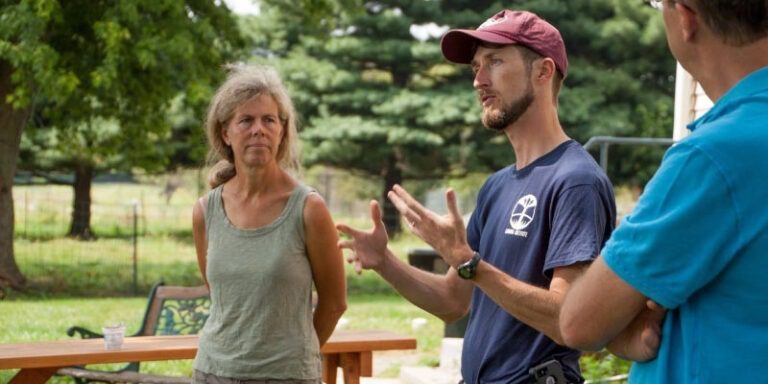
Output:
x=690 y=102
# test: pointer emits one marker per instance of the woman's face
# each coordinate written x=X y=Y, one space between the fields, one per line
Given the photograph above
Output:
x=255 y=132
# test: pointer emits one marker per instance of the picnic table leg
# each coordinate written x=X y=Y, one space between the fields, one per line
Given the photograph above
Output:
x=350 y=365
x=330 y=363
x=366 y=364
x=34 y=375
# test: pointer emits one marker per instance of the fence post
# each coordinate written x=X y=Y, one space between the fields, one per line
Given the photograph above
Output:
x=135 y=247
x=26 y=211
x=604 y=156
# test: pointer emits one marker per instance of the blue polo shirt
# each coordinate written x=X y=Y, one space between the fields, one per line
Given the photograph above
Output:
x=697 y=243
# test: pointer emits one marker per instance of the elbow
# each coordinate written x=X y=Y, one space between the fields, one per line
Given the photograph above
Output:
x=340 y=309
x=330 y=306
x=449 y=317
x=454 y=313
x=336 y=310
x=557 y=337
x=577 y=334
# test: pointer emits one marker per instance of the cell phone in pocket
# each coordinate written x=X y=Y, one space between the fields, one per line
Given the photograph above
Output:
x=549 y=372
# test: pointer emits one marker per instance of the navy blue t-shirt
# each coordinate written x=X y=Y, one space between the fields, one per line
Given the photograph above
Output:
x=555 y=212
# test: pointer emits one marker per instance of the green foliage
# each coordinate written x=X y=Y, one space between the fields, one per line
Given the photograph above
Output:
x=601 y=365
x=621 y=79
x=380 y=96
x=375 y=99
x=101 y=75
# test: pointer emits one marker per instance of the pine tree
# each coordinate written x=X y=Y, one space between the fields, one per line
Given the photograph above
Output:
x=376 y=100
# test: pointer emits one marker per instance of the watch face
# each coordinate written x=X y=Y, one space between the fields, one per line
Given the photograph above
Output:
x=467 y=270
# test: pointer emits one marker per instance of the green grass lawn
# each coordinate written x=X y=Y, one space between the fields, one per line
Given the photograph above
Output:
x=89 y=283
x=48 y=319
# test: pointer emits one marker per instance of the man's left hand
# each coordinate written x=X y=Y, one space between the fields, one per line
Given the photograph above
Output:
x=641 y=339
x=445 y=233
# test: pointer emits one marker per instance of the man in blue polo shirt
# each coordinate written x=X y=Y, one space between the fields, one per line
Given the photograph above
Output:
x=538 y=223
x=697 y=242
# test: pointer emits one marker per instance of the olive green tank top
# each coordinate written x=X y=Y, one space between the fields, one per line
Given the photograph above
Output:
x=260 y=324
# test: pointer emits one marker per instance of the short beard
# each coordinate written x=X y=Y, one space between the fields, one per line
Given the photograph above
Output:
x=509 y=113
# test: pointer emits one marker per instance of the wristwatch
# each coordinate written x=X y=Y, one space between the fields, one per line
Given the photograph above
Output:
x=467 y=270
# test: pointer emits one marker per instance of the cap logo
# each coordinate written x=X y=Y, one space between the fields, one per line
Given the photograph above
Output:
x=498 y=18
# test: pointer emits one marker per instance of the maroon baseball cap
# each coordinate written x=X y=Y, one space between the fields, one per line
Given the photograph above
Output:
x=507 y=27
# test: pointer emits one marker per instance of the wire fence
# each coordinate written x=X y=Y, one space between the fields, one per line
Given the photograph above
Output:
x=143 y=231
x=139 y=238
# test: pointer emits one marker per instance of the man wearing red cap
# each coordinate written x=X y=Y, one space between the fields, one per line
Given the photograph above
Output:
x=537 y=224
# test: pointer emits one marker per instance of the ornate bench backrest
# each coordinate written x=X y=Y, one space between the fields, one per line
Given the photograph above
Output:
x=177 y=311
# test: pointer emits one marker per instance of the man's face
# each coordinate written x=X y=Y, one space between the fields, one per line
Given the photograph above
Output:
x=673 y=30
x=503 y=84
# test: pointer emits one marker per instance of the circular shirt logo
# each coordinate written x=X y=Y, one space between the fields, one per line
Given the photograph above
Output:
x=523 y=212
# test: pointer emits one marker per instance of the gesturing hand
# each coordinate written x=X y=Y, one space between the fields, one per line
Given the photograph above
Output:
x=445 y=233
x=368 y=247
x=640 y=340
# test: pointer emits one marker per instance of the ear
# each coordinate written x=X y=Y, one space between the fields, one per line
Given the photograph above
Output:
x=688 y=19
x=544 y=70
x=225 y=136
x=283 y=135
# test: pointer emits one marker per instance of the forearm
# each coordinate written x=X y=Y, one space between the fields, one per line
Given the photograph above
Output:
x=325 y=319
x=537 y=307
x=598 y=307
x=445 y=297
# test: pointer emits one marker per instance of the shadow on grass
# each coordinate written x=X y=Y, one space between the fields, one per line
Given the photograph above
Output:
x=369 y=283
x=93 y=279
x=183 y=235
x=99 y=279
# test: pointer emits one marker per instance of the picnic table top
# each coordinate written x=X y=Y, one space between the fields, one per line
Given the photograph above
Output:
x=61 y=353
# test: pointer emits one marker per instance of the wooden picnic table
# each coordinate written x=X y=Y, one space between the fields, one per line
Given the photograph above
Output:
x=39 y=360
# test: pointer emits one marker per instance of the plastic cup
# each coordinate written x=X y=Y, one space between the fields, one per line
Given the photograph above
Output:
x=113 y=336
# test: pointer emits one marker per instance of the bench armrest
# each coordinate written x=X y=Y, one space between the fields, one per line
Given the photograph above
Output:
x=84 y=333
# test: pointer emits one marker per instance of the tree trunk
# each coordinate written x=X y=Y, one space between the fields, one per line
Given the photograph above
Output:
x=12 y=123
x=392 y=174
x=391 y=217
x=81 y=212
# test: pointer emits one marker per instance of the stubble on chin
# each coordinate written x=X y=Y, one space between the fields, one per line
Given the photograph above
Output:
x=495 y=120
x=499 y=119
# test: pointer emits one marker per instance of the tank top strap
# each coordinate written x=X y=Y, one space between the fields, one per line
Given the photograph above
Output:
x=301 y=192
x=212 y=207
x=297 y=204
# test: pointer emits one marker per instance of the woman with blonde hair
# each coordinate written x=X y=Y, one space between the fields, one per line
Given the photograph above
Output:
x=263 y=240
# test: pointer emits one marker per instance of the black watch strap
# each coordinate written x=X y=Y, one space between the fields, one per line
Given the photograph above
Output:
x=468 y=269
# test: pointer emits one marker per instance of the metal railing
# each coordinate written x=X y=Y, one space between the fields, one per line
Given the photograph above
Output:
x=605 y=141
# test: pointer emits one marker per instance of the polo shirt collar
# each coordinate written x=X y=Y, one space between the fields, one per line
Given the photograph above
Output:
x=755 y=82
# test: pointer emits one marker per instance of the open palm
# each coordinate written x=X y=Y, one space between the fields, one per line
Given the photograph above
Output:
x=368 y=247
x=445 y=233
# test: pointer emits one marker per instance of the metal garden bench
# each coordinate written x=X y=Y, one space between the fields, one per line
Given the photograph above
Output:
x=171 y=310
